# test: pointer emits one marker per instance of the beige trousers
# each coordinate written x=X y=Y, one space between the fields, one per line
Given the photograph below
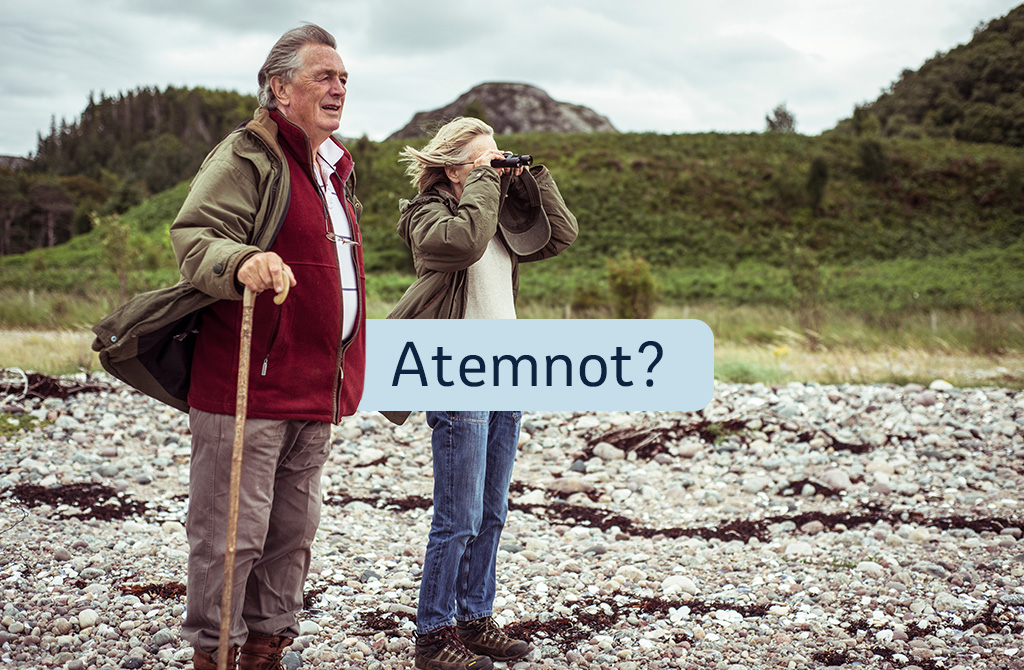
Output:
x=278 y=513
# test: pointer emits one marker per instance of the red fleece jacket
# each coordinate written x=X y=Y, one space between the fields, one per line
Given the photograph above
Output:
x=300 y=369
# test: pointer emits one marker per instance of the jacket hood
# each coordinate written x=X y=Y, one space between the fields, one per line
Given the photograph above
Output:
x=264 y=127
x=407 y=208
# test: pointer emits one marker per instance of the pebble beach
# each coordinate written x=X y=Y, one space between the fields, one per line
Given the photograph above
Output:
x=802 y=526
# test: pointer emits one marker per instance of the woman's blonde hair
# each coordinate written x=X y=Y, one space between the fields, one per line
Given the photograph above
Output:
x=449 y=146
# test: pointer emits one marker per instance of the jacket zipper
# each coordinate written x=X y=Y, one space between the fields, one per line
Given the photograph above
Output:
x=273 y=339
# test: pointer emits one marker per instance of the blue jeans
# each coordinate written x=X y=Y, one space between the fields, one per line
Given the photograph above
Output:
x=473 y=457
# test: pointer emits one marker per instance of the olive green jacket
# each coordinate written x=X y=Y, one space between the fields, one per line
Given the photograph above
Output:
x=243 y=186
x=447 y=235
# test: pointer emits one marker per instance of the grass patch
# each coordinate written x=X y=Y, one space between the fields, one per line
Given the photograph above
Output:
x=49 y=352
x=752 y=345
x=11 y=424
x=50 y=310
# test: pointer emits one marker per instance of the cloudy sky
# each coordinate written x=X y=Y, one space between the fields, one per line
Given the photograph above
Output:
x=669 y=66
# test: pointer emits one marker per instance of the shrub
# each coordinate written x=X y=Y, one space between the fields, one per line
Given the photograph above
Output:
x=874 y=164
x=634 y=289
x=816 y=182
x=589 y=297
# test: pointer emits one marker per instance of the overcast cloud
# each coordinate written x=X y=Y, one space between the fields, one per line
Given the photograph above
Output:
x=669 y=66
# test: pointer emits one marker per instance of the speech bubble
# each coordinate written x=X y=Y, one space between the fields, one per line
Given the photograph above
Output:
x=538 y=364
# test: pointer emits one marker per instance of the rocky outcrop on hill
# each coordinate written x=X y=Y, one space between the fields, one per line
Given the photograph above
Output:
x=14 y=162
x=510 y=108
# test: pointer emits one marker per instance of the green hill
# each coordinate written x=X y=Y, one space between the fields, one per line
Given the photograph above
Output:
x=880 y=224
x=974 y=92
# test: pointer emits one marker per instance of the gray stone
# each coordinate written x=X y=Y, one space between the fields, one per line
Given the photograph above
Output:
x=837 y=479
x=608 y=452
x=689 y=448
x=812 y=527
x=87 y=618
x=756 y=484
x=931 y=569
x=570 y=485
x=871 y=568
x=945 y=602
x=163 y=636
x=926 y=399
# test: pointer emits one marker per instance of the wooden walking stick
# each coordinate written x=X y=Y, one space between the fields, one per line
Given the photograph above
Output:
x=241 y=404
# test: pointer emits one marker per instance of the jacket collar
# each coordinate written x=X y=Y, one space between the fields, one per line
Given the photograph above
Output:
x=295 y=141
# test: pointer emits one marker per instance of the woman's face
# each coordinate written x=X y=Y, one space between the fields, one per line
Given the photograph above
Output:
x=477 y=147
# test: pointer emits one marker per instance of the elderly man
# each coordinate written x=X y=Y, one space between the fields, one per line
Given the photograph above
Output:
x=272 y=204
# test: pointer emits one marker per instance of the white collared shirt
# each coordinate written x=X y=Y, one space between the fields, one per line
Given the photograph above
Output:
x=327 y=155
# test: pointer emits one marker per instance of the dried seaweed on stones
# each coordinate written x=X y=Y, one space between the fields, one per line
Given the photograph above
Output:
x=735 y=529
x=594 y=517
x=310 y=596
x=409 y=502
x=796 y=488
x=831 y=657
x=44 y=386
x=95 y=501
x=595 y=616
x=342 y=499
x=165 y=591
x=995 y=617
x=648 y=441
x=839 y=445
x=386 y=621
x=402 y=504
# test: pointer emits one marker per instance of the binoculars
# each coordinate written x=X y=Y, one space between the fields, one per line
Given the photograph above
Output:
x=512 y=161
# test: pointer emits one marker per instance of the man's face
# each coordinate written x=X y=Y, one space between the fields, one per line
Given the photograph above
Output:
x=314 y=98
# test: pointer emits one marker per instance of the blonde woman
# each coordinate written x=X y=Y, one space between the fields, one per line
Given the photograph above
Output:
x=469 y=229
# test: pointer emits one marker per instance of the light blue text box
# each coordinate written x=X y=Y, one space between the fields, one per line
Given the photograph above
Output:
x=538 y=364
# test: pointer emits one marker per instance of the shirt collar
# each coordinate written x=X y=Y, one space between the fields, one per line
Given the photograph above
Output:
x=330 y=152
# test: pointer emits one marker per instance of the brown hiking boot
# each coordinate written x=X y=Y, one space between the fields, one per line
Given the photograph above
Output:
x=261 y=652
x=484 y=636
x=202 y=660
x=441 y=650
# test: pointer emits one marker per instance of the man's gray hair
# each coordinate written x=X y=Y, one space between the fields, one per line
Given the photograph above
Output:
x=283 y=60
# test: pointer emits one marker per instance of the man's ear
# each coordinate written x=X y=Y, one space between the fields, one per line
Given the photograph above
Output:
x=280 y=89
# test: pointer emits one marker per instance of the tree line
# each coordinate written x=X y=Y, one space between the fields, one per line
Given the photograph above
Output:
x=973 y=93
x=120 y=151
